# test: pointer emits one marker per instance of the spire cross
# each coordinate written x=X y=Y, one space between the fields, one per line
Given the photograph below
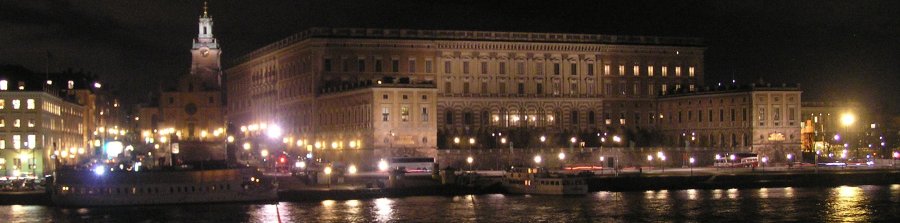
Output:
x=205 y=15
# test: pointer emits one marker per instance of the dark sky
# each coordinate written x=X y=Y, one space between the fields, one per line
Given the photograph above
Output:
x=847 y=50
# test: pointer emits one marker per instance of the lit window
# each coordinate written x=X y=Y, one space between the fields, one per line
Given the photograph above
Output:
x=71 y=84
x=16 y=103
x=29 y=103
x=17 y=142
x=2 y=146
x=691 y=71
x=31 y=123
x=2 y=104
x=17 y=123
x=637 y=70
x=650 y=71
x=621 y=70
x=2 y=122
x=665 y=71
x=404 y=113
x=4 y=85
x=678 y=71
x=385 y=113
x=32 y=141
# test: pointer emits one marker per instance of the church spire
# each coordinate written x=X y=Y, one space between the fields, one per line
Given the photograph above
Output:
x=205 y=7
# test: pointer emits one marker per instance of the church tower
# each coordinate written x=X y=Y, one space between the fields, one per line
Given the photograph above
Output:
x=205 y=53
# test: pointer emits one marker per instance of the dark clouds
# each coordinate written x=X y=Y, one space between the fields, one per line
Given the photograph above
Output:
x=836 y=49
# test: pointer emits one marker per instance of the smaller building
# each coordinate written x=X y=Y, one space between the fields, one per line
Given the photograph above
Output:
x=41 y=126
x=761 y=118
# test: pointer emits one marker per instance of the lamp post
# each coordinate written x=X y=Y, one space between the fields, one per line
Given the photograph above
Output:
x=691 y=161
x=765 y=160
x=537 y=161
x=790 y=157
x=562 y=159
x=470 y=160
x=847 y=119
x=650 y=160
x=896 y=155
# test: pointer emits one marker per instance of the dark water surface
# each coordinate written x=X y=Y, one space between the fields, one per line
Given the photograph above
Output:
x=838 y=204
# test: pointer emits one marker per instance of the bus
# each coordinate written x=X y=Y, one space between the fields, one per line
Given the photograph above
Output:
x=737 y=160
x=412 y=164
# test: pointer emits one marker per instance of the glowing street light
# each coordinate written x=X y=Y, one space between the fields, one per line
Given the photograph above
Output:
x=273 y=131
x=537 y=159
x=471 y=141
x=264 y=153
x=456 y=140
x=382 y=165
x=847 y=119
x=561 y=155
x=230 y=139
x=470 y=160
x=691 y=161
x=351 y=169
x=543 y=138
x=246 y=146
x=617 y=139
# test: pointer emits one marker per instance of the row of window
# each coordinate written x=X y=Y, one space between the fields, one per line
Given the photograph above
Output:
x=502 y=67
x=4 y=85
x=761 y=115
x=611 y=89
x=141 y=190
x=404 y=113
x=17 y=143
x=514 y=118
x=17 y=123
x=17 y=104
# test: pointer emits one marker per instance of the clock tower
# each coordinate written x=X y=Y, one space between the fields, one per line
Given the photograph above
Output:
x=205 y=53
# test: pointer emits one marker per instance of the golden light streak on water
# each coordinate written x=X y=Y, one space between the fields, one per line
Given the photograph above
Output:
x=732 y=193
x=763 y=192
x=692 y=194
x=847 y=204
x=384 y=209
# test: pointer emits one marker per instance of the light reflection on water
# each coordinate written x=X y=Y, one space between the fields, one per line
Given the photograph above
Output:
x=840 y=204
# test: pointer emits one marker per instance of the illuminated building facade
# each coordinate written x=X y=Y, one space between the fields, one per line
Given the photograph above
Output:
x=39 y=123
x=484 y=82
x=191 y=111
x=761 y=118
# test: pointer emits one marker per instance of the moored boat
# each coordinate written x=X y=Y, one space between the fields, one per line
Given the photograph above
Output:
x=535 y=181
x=100 y=187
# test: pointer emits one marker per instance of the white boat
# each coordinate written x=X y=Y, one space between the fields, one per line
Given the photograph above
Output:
x=104 y=188
x=533 y=181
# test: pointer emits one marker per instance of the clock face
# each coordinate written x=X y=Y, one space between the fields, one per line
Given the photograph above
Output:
x=204 y=52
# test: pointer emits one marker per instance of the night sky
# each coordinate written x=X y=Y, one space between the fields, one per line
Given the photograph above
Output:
x=847 y=50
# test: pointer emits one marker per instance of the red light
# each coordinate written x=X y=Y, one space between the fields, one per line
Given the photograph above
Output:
x=281 y=160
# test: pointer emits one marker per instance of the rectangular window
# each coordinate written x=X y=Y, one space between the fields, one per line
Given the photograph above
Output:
x=573 y=69
x=448 y=88
x=690 y=71
x=590 y=69
x=385 y=113
x=710 y=112
x=361 y=65
x=650 y=71
x=501 y=67
x=465 y=67
x=606 y=70
x=424 y=114
x=520 y=68
x=484 y=88
x=721 y=115
x=650 y=117
x=326 y=65
x=573 y=88
x=2 y=103
x=502 y=87
x=16 y=103
x=776 y=114
x=32 y=141
x=791 y=115
x=691 y=88
x=484 y=67
x=665 y=71
x=556 y=69
x=29 y=104
x=539 y=88
x=700 y=116
x=411 y=66
x=395 y=65
x=2 y=146
x=448 y=117
x=448 y=67
x=608 y=88
x=429 y=66
x=2 y=122
x=17 y=123
x=664 y=89
x=621 y=70
x=636 y=89
x=678 y=71
x=17 y=141
x=637 y=70
x=744 y=111
x=4 y=85
x=345 y=65
x=404 y=113
x=574 y=117
x=539 y=68
x=521 y=88
x=650 y=89
x=379 y=67
x=465 y=87
x=30 y=123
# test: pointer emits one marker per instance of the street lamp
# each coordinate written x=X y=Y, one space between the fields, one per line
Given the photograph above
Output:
x=537 y=160
x=765 y=160
x=650 y=160
x=562 y=158
x=470 y=160
x=789 y=159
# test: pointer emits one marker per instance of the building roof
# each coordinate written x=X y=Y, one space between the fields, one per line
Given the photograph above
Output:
x=31 y=81
x=413 y=34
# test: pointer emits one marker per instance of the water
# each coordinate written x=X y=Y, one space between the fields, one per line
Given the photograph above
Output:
x=839 y=204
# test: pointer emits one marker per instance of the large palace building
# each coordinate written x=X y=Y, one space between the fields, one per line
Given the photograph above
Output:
x=389 y=89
